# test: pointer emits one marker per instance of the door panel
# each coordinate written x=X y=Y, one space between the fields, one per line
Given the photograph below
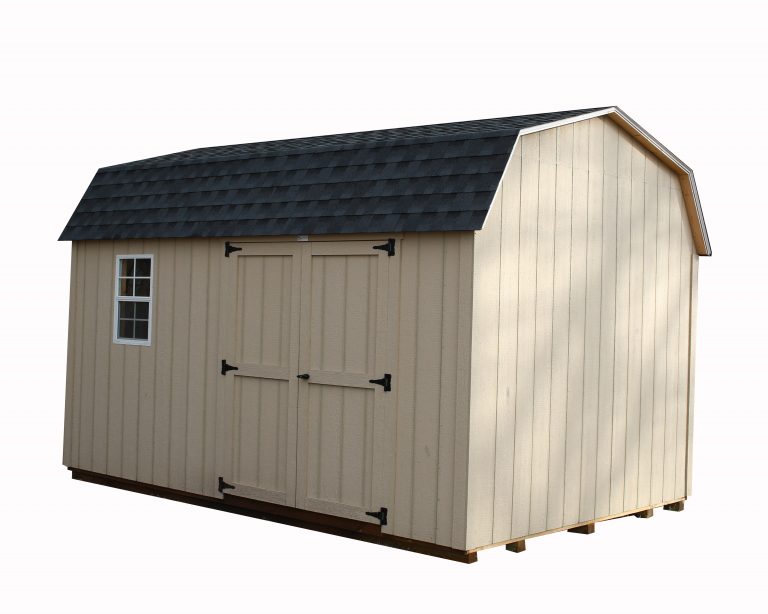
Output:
x=266 y=355
x=320 y=309
x=342 y=347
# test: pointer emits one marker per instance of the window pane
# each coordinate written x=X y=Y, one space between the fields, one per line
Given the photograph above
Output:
x=127 y=309
x=126 y=267
x=142 y=287
x=142 y=311
x=126 y=287
x=126 y=329
x=142 y=329
x=143 y=267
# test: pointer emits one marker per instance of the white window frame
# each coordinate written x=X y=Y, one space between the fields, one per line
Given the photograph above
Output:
x=136 y=299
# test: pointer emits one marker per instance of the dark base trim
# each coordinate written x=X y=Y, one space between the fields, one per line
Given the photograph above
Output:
x=314 y=521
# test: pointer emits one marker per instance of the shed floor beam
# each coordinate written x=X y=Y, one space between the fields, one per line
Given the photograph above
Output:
x=645 y=513
x=518 y=546
x=677 y=506
x=585 y=529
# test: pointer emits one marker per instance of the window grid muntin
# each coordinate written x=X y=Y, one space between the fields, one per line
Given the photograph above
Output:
x=125 y=294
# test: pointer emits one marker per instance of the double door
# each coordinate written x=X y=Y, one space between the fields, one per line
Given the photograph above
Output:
x=308 y=374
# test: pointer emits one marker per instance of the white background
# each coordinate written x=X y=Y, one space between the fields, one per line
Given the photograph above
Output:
x=88 y=84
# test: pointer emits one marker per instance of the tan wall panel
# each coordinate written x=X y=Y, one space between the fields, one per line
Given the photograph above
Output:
x=601 y=253
x=141 y=412
x=432 y=387
x=150 y=413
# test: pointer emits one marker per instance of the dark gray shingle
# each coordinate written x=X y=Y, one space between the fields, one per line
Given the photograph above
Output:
x=424 y=178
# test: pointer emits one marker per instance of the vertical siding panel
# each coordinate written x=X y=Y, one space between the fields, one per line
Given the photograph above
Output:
x=131 y=368
x=687 y=365
x=449 y=358
x=592 y=322
x=89 y=340
x=576 y=340
x=116 y=386
x=180 y=363
x=607 y=322
x=146 y=418
x=408 y=359
x=675 y=341
x=197 y=379
x=663 y=436
x=648 y=357
x=635 y=330
x=685 y=305
x=526 y=335
x=622 y=337
x=560 y=326
x=69 y=404
x=77 y=342
x=104 y=323
x=211 y=373
x=484 y=374
x=130 y=427
x=427 y=393
x=463 y=387
x=162 y=330
x=545 y=262
x=226 y=442
x=507 y=365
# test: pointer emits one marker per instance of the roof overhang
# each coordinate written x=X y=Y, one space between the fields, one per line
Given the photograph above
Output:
x=670 y=160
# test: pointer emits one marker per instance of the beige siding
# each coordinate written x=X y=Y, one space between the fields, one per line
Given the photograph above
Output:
x=160 y=414
x=433 y=388
x=136 y=412
x=581 y=336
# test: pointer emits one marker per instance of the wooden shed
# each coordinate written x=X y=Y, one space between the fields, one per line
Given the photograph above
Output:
x=441 y=338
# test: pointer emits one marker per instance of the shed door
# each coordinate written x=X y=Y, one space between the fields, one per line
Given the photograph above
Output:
x=342 y=416
x=265 y=317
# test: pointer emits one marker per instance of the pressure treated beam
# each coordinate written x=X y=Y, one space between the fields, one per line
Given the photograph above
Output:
x=585 y=529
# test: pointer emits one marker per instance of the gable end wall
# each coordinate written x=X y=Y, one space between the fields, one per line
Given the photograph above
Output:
x=581 y=339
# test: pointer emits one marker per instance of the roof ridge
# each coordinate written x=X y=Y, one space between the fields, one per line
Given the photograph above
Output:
x=407 y=135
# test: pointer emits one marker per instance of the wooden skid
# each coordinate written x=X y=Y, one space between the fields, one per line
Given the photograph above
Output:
x=585 y=529
x=645 y=513
x=518 y=546
x=352 y=529
x=677 y=506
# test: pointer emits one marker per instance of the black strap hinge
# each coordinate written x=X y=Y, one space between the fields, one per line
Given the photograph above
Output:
x=388 y=247
x=225 y=367
x=381 y=515
x=223 y=485
x=385 y=381
x=229 y=248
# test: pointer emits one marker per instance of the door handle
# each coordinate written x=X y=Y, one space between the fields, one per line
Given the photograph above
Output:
x=303 y=376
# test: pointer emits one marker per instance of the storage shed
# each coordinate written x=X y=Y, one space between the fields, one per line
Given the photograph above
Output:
x=442 y=338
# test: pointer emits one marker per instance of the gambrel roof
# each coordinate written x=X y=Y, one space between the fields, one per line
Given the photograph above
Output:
x=441 y=177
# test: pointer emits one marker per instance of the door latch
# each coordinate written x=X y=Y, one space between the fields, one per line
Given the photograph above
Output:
x=385 y=381
x=303 y=376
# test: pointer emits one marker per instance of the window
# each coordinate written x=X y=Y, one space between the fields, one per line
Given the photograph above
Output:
x=133 y=300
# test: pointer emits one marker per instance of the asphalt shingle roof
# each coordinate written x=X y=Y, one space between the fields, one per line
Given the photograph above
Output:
x=425 y=178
